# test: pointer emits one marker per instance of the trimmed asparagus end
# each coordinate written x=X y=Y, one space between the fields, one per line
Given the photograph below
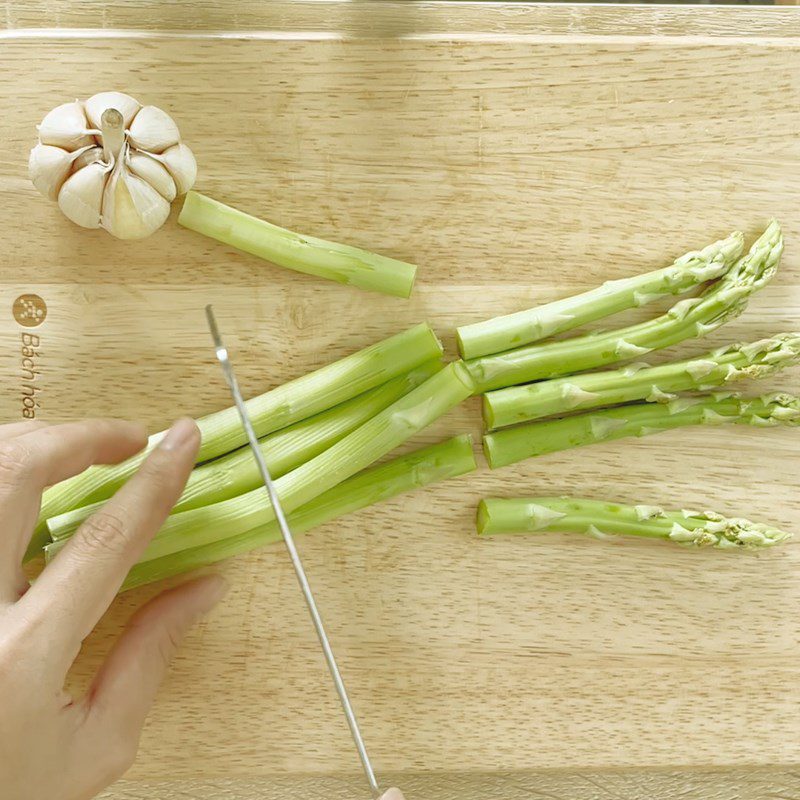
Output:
x=283 y=406
x=337 y=262
x=423 y=467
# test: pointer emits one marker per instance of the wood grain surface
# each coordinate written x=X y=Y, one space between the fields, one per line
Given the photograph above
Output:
x=729 y=784
x=516 y=165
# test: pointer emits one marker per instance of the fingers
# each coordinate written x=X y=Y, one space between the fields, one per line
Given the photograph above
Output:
x=11 y=429
x=393 y=794
x=127 y=684
x=75 y=590
x=45 y=455
x=55 y=452
x=33 y=456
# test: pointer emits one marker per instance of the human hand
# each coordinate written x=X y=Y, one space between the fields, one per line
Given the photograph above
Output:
x=53 y=746
x=393 y=794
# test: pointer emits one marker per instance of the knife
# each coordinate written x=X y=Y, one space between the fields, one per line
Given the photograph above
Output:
x=352 y=722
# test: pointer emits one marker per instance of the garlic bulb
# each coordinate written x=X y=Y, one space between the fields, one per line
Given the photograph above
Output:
x=112 y=163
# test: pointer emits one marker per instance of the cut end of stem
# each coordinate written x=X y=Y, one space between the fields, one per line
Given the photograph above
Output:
x=488 y=413
x=112 y=127
x=461 y=344
x=489 y=451
x=482 y=518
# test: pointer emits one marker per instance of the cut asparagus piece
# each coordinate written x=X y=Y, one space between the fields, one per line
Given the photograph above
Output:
x=421 y=468
x=356 y=451
x=511 y=445
x=694 y=317
x=271 y=411
x=284 y=450
x=607 y=520
x=523 y=327
x=336 y=262
x=596 y=389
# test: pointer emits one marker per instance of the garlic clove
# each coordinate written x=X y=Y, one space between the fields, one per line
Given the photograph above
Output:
x=154 y=130
x=88 y=156
x=124 y=103
x=48 y=168
x=66 y=126
x=132 y=208
x=81 y=196
x=156 y=174
x=181 y=163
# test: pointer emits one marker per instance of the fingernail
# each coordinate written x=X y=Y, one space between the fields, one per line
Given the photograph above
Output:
x=393 y=794
x=179 y=435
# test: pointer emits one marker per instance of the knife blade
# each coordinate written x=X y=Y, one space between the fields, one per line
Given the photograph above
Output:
x=227 y=368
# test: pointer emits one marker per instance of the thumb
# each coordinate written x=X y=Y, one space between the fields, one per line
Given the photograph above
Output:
x=393 y=794
x=128 y=682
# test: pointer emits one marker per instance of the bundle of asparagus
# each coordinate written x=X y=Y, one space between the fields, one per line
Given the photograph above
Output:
x=550 y=379
x=516 y=330
x=413 y=471
x=527 y=381
x=271 y=411
x=356 y=451
x=721 y=302
x=236 y=473
x=321 y=434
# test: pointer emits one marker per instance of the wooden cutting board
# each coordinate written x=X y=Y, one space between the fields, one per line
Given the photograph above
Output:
x=517 y=154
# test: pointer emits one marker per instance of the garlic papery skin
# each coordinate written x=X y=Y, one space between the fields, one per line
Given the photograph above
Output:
x=113 y=163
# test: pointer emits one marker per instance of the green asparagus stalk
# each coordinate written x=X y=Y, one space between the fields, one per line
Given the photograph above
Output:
x=284 y=450
x=356 y=451
x=336 y=262
x=596 y=389
x=607 y=520
x=694 y=317
x=523 y=327
x=271 y=411
x=511 y=445
x=421 y=468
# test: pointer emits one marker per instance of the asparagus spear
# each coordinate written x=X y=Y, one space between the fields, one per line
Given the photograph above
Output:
x=638 y=419
x=687 y=319
x=523 y=327
x=356 y=451
x=415 y=470
x=596 y=389
x=271 y=411
x=336 y=262
x=606 y=520
x=284 y=450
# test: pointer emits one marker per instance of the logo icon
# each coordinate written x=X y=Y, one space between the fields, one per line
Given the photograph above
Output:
x=29 y=310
